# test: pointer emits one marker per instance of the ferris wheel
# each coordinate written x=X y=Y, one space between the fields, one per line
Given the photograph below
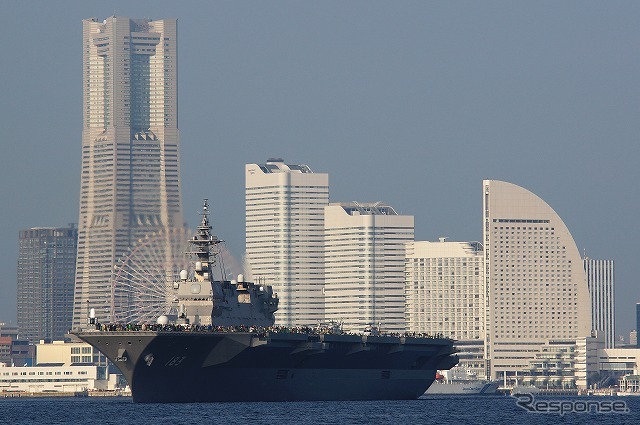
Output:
x=142 y=284
x=141 y=288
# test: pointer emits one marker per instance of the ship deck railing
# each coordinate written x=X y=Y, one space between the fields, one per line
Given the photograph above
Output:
x=261 y=331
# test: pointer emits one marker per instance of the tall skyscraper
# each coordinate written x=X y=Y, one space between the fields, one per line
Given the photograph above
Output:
x=130 y=184
x=601 y=282
x=46 y=270
x=534 y=279
x=445 y=295
x=364 y=265
x=284 y=236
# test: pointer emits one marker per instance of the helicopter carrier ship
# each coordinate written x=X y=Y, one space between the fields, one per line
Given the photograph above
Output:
x=223 y=346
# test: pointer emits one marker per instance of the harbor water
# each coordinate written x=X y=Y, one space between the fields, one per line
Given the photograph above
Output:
x=489 y=410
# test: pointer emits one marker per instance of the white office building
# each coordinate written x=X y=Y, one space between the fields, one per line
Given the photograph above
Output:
x=534 y=279
x=364 y=265
x=444 y=289
x=601 y=282
x=284 y=236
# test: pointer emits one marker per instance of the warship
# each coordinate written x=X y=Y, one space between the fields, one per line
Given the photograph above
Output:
x=222 y=345
x=456 y=382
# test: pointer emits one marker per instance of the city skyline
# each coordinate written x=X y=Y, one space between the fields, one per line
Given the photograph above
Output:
x=544 y=97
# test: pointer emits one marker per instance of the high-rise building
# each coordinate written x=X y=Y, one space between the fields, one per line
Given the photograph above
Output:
x=284 y=236
x=445 y=289
x=445 y=295
x=130 y=185
x=46 y=270
x=534 y=279
x=601 y=283
x=364 y=265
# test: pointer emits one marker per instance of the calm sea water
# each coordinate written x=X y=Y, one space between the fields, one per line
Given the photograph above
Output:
x=456 y=410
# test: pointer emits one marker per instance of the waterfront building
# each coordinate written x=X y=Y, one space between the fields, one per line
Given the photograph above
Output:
x=51 y=379
x=616 y=362
x=45 y=281
x=364 y=246
x=60 y=366
x=444 y=288
x=130 y=182
x=284 y=207
x=601 y=282
x=68 y=354
x=534 y=279
x=633 y=338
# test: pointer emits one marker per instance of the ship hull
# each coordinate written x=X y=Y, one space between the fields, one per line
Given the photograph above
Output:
x=470 y=387
x=207 y=367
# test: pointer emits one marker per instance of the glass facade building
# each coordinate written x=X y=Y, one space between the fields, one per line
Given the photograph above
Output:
x=46 y=270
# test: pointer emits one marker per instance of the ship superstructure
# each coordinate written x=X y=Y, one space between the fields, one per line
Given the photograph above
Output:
x=205 y=301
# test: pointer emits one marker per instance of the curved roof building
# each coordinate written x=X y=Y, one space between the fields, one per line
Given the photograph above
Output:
x=534 y=278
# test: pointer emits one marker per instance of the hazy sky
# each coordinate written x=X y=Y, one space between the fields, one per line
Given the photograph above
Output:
x=410 y=103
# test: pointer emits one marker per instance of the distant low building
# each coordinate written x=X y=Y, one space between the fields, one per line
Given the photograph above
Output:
x=7 y=329
x=601 y=281
x=5 y=349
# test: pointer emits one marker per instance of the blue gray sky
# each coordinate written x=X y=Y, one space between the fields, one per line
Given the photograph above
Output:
x=412 y=103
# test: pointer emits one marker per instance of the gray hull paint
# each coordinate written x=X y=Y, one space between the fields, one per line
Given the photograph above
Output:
x=205 y=367
x=464 y=388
